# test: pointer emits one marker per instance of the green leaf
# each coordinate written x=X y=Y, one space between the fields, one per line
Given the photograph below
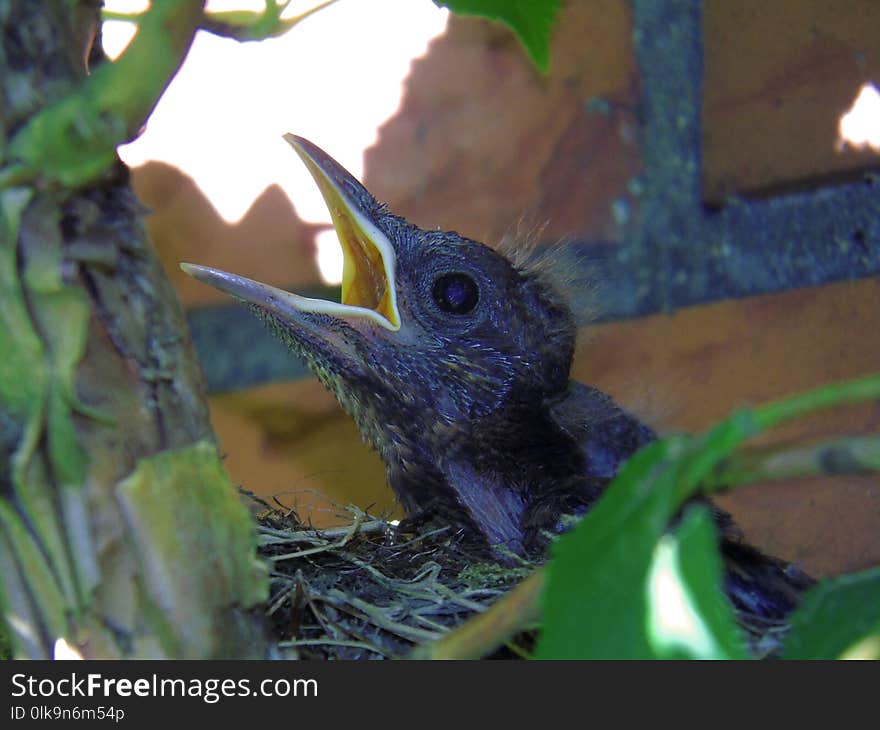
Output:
x=60 y=314
x=838 y=618
x=596 y=603
x=531 y=21
x=22 y=381
x=688 y=615
x=607 y=576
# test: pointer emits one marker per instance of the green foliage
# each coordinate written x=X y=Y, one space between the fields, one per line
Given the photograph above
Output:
x=5 y=646
x=19 y=342
x=602 y=567
x=42 y=336
x=839 y=618
x=607 y=576
x=688 y=616
x=531 y=21
x=71 y=142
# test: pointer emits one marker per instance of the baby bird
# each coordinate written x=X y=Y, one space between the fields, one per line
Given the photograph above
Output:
x=454 y=363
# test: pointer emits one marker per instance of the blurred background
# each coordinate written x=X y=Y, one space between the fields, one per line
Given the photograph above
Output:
x=718 y=160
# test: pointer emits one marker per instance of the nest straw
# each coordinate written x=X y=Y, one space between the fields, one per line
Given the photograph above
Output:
x=369 y=590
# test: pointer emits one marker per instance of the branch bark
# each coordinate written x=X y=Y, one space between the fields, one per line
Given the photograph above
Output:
x=119 y=530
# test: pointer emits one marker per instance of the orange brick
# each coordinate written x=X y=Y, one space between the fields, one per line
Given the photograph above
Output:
x=777 y=77
x=271 y=243
x=687 y=370
x=291 y=441
x=482 y=140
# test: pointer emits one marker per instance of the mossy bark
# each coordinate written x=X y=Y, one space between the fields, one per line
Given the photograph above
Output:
x=119 y=529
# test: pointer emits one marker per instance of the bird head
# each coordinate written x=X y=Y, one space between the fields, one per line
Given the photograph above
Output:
x=433 y=331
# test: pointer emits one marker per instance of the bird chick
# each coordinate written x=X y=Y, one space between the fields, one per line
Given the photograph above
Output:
x=454 y=363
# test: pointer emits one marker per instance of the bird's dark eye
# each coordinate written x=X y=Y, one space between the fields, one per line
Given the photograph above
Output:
x=455 y=293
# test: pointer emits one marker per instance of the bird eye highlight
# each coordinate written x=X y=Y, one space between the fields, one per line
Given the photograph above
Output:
x=455 y=293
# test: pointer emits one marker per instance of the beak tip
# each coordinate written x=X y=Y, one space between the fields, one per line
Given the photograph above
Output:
x=192 y=270
x=298 y=143
x=314 y=157
x=204 y=274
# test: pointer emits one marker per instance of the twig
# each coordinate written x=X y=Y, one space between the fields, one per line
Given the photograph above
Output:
x=376 y=615
x=334 y=642
x=424 y=621
x=13 y=175
x=245 y=25
x=517 y=649
x=349 y=533
x=849 y=455
x=125 y=17
x=279 y=600
x=298 y=536
x=485 y=632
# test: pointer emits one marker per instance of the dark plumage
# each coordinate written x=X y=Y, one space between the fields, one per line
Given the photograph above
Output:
x=455 y=365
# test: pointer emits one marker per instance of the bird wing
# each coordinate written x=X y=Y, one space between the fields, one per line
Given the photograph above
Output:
x=607 y=434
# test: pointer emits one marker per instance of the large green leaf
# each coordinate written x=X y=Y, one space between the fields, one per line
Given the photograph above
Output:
x=602 y=590
x=531 y=21
x=839 y=618
x=596 y=604
x=688 y=615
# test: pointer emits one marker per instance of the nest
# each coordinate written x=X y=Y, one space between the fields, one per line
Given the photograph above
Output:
x=373 y=589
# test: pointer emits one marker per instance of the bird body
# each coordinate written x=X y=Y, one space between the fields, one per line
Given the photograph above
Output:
x=454 y=363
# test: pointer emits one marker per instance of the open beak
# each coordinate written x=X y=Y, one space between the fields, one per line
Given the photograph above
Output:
x=368 y=290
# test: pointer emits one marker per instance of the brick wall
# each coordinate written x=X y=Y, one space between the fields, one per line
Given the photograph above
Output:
x=740 y=248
